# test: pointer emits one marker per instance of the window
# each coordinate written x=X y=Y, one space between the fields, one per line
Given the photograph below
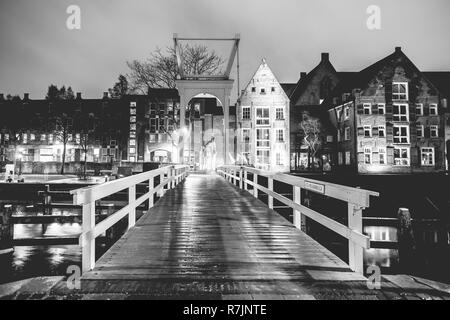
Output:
x=132 y=150
x=278 y=159
x=347 y=157
x=347 y=134
x=338 y=113
x=381 y=108
x=262 y=116
x=400 y=91
x=400 y=112
x=367 y=108
x=401 y=156
x=25 y=138
x=262 y=138
x=246 y=139
x=262 y=156
x=133 y=119
x=427 y=156
x=433 y=109
x=43 y=137
x=367 y=155
x=132 y=126
x=272 y=89
x=132 y=111
x=253 y=89
x=32 y=137
x=152 y=138
x=382 y=155
x=6 y=136
x=262 y=91
x=401 y=134
x=132 y=104
x=419 y=130
x=104 y=151
x=434 y=131
x=367 y=131
x=245 y=112
x=132 y=159
x=132 y=142
x=346 y=112
x=340 y=158
x=419 y=109
x=280 y=135
x=381 y=131
x=279 y=113
x=339 y=135
x=329 y=138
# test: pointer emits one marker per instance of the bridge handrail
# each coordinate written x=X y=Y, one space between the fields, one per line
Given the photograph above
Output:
x=357 y=199
x=87 y=196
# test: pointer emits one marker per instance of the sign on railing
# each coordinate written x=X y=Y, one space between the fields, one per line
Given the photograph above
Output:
x=170 y=176
x=357 y=200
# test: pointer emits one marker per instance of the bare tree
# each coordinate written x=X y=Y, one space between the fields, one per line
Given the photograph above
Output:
x=63 y=125
x=160 y=70
x=84 y=144
x=312 y=136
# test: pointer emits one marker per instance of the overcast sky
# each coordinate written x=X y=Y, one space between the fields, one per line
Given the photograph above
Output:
x=37 y=49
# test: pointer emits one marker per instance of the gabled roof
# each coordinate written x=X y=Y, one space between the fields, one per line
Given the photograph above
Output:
x=288 y=88
x=441 y=79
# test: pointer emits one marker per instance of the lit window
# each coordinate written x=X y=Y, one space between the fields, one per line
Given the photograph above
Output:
x=419 y=109
x=340 y=158
x=245 y=112
x=427 y=156
x=339 y=135
x=152 y=138
x=132 y=111
x=132 y=159
x=279 y=113
x=42 y=137
x=434 y=131
x=400 y=91
x=419 y=131
x=381 y=131
x=32 y=137
x=132 y=150
x=401 y=156
x=367 y=108
x=133 y=119
x=433 y=109
x=25 y=138
x=132 y=142
x=367 y=156
x=278 y=159
x=347 y=157
x=262 y=138
x=382 y=155
x=400 y=112
x=263 y=156
x=262 y=116
x=381 y=108
x=367 y=131
x=347 y=134
x=329 y=138
x=280 y=135
x=132 y=126
x=132 y=104
x=246 y=139
x=6 y=136
x=401 y=134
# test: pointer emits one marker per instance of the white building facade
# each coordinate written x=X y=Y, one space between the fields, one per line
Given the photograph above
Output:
x=263 y=123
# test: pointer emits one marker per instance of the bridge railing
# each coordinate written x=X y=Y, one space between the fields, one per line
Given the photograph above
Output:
x=356 y=198
x=170 y=176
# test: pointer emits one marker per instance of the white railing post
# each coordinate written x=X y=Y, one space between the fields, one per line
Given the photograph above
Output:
x=297 y=214
x=255 y=182
x=173 y=176
x=355 y=252
x=161 y=181
x=240 y=178
x=88 y=249
x=270 y=187
x=245 y=180
x=151 y=185
x=131 y=202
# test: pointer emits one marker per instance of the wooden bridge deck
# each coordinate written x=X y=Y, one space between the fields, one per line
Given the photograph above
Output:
x=207 y=239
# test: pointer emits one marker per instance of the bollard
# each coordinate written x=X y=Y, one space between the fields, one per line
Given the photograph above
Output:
x=6 y=230
x=406 y=242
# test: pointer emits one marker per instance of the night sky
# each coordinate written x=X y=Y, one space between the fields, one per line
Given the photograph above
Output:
x=37 y=49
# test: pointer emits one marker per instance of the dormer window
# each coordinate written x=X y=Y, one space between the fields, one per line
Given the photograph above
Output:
x=253 y=89
x=272 y=89
x=263 y=91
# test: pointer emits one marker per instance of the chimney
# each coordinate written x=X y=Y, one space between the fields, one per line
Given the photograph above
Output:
x=398 y=49
x=26 y=96
x=325 y=56
x=78 y=95
x=105 y=95
x=302 y=75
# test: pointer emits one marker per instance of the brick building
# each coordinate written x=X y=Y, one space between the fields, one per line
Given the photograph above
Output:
x=389 y=119
x=263 y=122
